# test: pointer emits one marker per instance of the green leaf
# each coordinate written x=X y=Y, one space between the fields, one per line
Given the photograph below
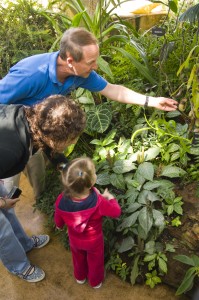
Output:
x=109 y=138
x=146 y=196
x=195 y=259
x=175 y=156
x=123 y=166
x=152 y=279
x=151 y=153
x=131 y=194
x=117 y=181
x=99 y=119
x=150 y=257
x=150 y=247
x=128 y=222
x=133 y=207
x=172 y=171
x=178 y=208
x=158 y=183
x=191 y=14
x=146 y=170
x=126 y=245
x=103 y=179
x=187 y=282
x=86 y=100
x=169 y=248
x=76 y=19
x=139 y=179
x=173 y=6
x=145 y=220
x=69 y=150
x=170 y=209
x=158 y=218
x=151 y=185
x=135 y=270
x=162 y=265
x=104 y=67
x=173 y=148
x=185 y=259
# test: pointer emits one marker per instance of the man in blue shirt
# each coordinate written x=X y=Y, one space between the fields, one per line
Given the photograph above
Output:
x=39 y=76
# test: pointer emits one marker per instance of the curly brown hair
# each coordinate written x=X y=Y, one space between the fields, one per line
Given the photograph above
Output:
x=55 y=120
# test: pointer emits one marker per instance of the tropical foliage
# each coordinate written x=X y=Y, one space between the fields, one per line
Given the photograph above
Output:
x=139 y=154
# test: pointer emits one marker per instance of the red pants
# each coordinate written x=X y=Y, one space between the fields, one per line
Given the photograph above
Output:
x=89 y=263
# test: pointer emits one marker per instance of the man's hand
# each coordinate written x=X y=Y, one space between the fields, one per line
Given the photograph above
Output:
x=162 y=103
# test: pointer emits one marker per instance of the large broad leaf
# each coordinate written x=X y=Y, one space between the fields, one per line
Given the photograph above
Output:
x=146 y=170
x=126 y=245
x=131 y=194
x=146 y=196
x=123 y=166
x=133 y=207
x=145 y=219
x=128 y=222
x=158 y=218
x=103 y=179
x=150 y=247
x=139 y=178
x=99 y=118
x=172 y=171
x=141 y=233
x=151 y=153
x=117 y=181
x=151 y=185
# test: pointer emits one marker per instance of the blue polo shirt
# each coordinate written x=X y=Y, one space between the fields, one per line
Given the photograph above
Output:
x=34 y=78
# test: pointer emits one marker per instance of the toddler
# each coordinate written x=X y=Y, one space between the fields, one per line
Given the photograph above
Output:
x=81 y=207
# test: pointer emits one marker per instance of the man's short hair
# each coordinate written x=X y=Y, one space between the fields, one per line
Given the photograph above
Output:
x=73 y=40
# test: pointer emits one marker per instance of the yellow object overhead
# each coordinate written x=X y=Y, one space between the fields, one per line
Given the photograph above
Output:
x=146 y=9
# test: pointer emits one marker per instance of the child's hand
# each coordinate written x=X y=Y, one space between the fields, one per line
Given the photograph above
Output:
x=107 y=195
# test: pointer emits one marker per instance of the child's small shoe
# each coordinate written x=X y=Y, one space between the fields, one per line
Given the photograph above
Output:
x=81 y=281
x=98 y=286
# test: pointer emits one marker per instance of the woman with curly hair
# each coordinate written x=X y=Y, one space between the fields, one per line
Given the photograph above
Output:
x=51 y=125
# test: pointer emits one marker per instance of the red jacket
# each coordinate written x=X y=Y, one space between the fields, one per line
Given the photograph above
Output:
x=85 y=226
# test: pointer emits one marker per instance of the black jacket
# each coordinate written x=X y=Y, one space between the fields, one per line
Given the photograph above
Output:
x=15 y=141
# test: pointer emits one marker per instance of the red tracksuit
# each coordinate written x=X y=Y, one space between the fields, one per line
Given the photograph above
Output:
x=86 y=235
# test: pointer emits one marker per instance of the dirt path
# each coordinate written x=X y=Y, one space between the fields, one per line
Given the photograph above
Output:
x=59 y=283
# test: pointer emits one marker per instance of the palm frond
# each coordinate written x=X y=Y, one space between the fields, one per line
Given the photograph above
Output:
x=191 y=14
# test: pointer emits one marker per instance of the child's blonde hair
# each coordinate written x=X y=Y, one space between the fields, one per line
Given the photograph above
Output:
x=78 y=176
